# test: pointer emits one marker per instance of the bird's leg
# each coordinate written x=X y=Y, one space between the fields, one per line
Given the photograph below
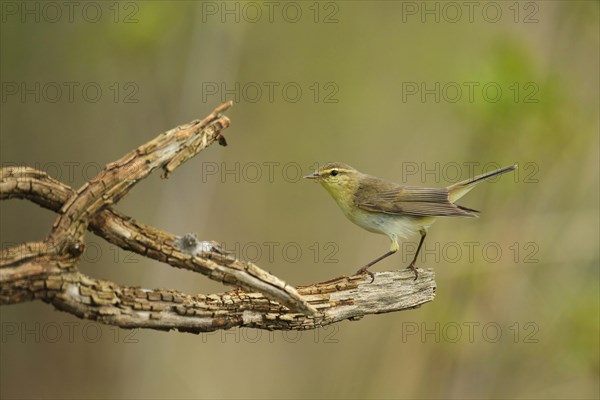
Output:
x=412 y=264
x=375 y=261
x=365 y=269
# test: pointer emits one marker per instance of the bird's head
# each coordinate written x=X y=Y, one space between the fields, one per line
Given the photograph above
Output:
x=339 y=179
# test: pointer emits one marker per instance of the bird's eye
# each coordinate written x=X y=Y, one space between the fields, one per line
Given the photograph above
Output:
x=334 y=172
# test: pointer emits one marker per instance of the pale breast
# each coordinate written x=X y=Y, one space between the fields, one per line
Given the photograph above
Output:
x=390 y=225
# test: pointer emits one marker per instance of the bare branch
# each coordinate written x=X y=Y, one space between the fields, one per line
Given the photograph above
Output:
x=164 y=309
x=124 y=232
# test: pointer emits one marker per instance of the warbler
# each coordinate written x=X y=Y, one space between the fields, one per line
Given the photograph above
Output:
x=391 y=209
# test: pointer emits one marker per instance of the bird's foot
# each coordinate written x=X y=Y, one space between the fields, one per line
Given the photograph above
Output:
x=365 y=270
x=412 y=266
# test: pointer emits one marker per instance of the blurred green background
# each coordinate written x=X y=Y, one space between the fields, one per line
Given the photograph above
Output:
x=382 y=86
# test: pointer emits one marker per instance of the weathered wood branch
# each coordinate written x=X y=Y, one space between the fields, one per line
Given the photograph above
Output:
x=124 y=232
x=47 y=270
x=165 y=309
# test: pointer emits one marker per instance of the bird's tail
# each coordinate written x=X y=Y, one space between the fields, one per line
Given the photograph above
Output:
x=459 y=189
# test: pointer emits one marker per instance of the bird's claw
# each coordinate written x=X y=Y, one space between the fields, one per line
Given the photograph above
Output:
x=364 y=270
x=412 y=266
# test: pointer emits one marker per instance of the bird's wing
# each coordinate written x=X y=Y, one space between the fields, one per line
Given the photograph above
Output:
x=377 y=195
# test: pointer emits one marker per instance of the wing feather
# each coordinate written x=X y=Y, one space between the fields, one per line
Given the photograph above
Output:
x=377 y=195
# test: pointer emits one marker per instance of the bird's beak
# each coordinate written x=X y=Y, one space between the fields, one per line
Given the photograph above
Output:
x=311 y=176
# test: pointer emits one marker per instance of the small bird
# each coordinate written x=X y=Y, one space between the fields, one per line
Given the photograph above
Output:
x=391 y=209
